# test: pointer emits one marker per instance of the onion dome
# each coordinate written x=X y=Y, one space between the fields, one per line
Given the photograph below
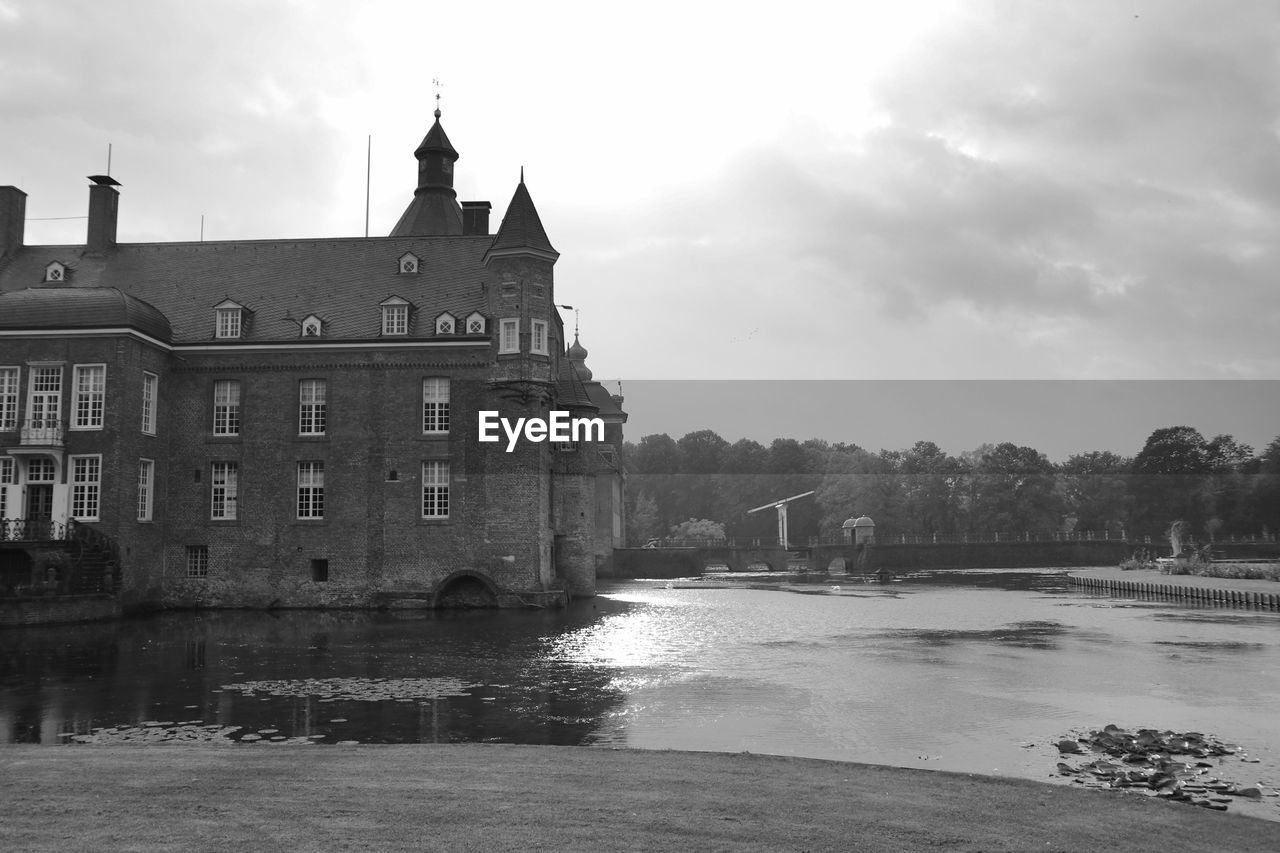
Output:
x=578 y=355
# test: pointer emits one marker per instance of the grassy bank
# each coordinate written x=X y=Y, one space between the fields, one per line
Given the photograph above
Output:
x=491 y=797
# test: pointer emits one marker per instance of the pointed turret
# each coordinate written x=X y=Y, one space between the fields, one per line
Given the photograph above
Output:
x=434 y=210
x=521 y=232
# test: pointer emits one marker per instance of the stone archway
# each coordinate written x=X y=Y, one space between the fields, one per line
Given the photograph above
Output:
x=465 y=590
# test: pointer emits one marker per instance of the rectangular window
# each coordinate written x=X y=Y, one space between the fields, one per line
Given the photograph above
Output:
x=320 y=570
x=86 y=487
x=395 y=319
x=435 y=405
x=44 y=408
x=197 y=561
x=40 y=470
x=509 y=336
x=150 y=384
x=146 y=486
x=224 y=480
x=8 y=398
x=311 y=406
x=435 y=489
x=539 y=342
x=90 y=390
x=310 y=490
x=228 y=323
x=226 y=407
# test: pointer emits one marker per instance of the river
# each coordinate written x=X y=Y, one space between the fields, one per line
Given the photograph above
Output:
x=978 y=671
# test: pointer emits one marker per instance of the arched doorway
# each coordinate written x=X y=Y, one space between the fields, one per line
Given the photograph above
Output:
x=465 y=591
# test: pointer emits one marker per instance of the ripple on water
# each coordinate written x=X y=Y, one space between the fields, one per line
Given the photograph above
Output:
x=1029 y=634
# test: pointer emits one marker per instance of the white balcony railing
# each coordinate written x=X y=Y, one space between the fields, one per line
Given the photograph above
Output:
x=45 y=432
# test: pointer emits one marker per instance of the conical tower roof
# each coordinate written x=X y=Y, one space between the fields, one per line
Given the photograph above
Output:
x=521 y=231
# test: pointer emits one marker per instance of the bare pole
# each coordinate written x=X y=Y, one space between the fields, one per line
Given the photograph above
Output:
x=108 y=158
x=368 y=179
x=202 y=228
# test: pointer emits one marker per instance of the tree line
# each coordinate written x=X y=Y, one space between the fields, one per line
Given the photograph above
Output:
x=1218 y=486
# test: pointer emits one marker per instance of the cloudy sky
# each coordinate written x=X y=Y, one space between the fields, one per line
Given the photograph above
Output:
x=1083 y=189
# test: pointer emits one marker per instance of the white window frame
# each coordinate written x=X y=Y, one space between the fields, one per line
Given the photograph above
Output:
x=509 y=335
x=197 y=561
x=86 y=487
x=89 y=394
x=310 y=503
x=228 y=321
x=312 y=327
x=476 y=320
x=538 y=337
x=226 y=407
x=313 y=410
x=395 y=318
x=150 y=396
x=435 y=405
x=435 y=488
x=446 y=324
x=146 y=488
x=409 y=264
x=9 y=379
x=44 y=396
x=224 y=490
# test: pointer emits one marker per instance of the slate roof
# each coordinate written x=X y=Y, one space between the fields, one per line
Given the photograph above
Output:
x=521 y=228
x=603 y=400
x=279 y=281
x=571 y=391
x=80 y=308
x=435 y=140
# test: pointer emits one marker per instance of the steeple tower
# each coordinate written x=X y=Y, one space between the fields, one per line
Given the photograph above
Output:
x=434 y=210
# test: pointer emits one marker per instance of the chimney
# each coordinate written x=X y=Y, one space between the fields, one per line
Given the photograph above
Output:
x=13 y=215
x=475 y=217
x=104 y=201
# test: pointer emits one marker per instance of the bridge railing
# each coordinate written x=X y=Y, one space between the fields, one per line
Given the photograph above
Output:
x=990 y=536
x=884 y=538
x=899 y=539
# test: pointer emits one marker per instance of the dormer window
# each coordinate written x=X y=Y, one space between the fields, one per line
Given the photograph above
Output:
x=312 y=327
x=475 y=324
x=55 y=272
x=395 y=316
x=409 y=264
x=228 y=320
x=445 y=324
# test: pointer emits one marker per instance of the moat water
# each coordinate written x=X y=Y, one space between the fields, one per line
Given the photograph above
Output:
x=980 y=671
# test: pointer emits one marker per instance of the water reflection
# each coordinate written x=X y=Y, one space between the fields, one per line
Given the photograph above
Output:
x=973 y=672
x=58 y=682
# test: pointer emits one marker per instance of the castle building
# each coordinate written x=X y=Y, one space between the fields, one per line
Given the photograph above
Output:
x=298 y=422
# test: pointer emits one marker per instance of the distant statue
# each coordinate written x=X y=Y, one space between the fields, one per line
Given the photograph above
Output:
x=1185 y=552
x=1177 y=534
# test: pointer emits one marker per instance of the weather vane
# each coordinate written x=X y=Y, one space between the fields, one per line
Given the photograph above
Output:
x=435 y=81
x=575 y=317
